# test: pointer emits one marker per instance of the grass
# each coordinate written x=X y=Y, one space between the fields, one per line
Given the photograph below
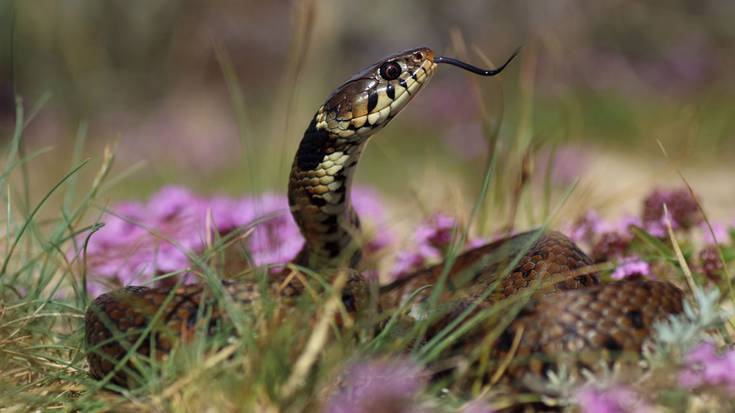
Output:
x=287 y=358
x=283 y=366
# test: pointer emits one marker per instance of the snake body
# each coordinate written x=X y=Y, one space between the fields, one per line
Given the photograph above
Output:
x=117 y=320
x=570 y=311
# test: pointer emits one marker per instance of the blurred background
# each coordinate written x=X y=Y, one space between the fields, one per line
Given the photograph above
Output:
x=215 y=94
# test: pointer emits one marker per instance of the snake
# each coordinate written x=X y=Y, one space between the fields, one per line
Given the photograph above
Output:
x=567 y=308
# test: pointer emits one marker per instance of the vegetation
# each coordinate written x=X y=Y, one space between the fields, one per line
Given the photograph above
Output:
x=619 y=138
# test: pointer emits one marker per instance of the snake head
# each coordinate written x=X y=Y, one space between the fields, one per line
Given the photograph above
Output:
x=371 y=98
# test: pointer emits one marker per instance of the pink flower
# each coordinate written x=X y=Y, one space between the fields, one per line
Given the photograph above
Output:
x=710 y=263
x=631 y=266
x=407 y=262
x=436 y=231
x=276 y=238
x=379 y=385
x=172 y=201
x=587 y=227
x=718 y=234
x=704 y=367
x=226 y=213
x=682 y=207
x=657 y=229
x=617 y=399
x=140 y=241
x=611 y=245
x=628 y=221
x=431 y=239
x=120 y=226
x=591 y=227
x=368 y=204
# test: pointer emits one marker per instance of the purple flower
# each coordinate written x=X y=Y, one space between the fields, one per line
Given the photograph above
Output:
x=704 y=367
x=436 y=232
x=631 y=266
x=139 y=240
x=718 y=234
x=276 y=238
x=628 y=221
x=587 y=227
x=169 y=259
x=617 y=399
x=657 y=229
x=378 y=385
x=368 y=204
x=710 y=263
x=611 y=245
x=173 y=201
x=407 y=262
x=119 y=226
x=682 y=207
x=591 y=228
x=226 y=213
x=431 y=240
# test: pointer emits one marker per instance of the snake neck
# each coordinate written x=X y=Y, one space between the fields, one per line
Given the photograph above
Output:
x=319 y=196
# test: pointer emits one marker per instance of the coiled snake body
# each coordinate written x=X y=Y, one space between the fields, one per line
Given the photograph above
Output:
x=571 y=312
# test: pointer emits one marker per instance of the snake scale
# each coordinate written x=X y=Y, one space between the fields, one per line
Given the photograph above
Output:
x=569 y=312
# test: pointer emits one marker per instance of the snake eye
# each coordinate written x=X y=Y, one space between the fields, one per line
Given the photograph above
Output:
x=390 y=70
x=418 y=55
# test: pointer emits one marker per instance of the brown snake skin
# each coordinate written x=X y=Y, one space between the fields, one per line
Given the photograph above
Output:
x=127 y=312
x=570 y=317
x=589 y=325
x=570 y=312
x=117 y=321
